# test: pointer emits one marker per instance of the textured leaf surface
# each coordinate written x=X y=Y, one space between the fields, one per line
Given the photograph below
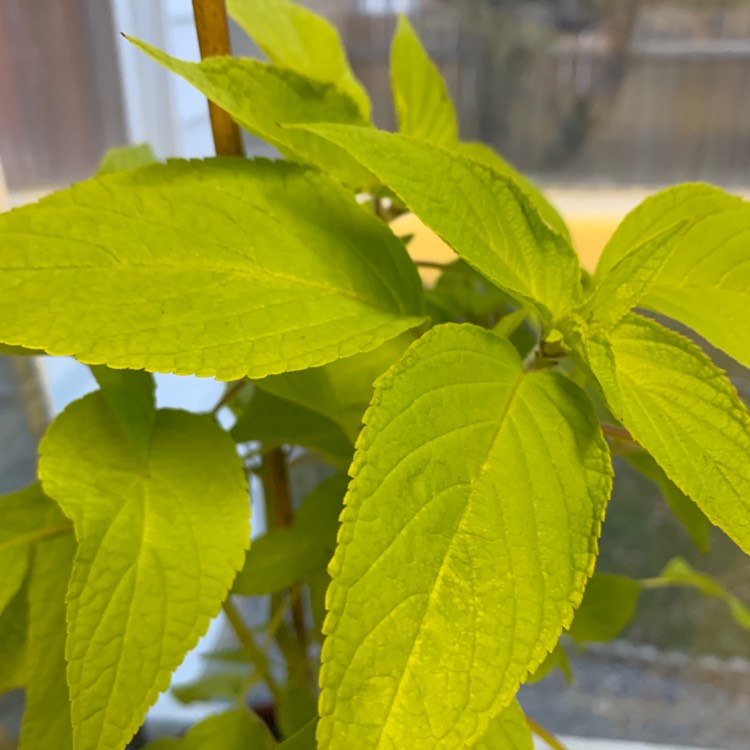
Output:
x=474 y=483
x=684 y=509
x=160 y=539
x=123 y=158
x=629 y=280
x=706 y=282
x=423 y=106
x=341 y=390
x=262 y=98
x=684 y=411
x=27 y=516
x=46 y=718
x=607 y=607
x=292 y=36
x=508 y=731
x=483 y=154
x=224 y=267
x=276 y=421
x=678 y=572
x=660 y=211
x=482 y=214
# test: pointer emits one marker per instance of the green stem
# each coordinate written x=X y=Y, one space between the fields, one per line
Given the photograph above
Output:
x=663 y=583
x=548 y=737
x=227 y=396
x=257 y=656
x=36 y=535
x=276 y=620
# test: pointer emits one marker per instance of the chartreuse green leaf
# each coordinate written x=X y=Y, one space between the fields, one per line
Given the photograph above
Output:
x=123 y=158
x=482 y=214
x=426 y=112
x=678 y=572
x=240 y=729
x=292 y=36
x=469 y=532
x=27 y=516
x=13 y=641
x=276 y=561
x=684 y=509
x=302 y=740
x=131 y=397
x=224 y=267
x=262 y=98
x=691 y=202
x=275 y=422
x=319 y=513
x=161 y=537
x=684 y=411
x=47 y=718
x=484 y=154
x=463 y=295
x=607 y=607
x=557 y=659
x=282 y=557
x=423 y=106
x=508 y=731
x=214 y=686
x=298 y=702
x=617 y=292
x=706 y=281
x=341 y=390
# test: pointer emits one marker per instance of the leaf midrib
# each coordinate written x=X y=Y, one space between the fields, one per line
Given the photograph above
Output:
x=441 y=569
x=36 y=535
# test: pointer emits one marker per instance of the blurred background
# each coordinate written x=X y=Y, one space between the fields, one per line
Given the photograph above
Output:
x=601 y=102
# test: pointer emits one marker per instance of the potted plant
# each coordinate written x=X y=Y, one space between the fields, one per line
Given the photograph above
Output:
x=467 y=428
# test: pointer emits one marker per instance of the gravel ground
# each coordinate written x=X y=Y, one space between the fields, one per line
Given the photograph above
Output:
x=637 y=693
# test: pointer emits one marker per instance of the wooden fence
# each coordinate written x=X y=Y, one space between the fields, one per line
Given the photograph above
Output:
x=638 y=92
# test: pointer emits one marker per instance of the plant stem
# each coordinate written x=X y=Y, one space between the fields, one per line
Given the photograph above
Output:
x=44 y=533
x=212 y=27
x=227 y=396
x=280 y=514
x=618 y=433
x=431 y=264
x=277 y=618
x=548 y=737
x=257 y=656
